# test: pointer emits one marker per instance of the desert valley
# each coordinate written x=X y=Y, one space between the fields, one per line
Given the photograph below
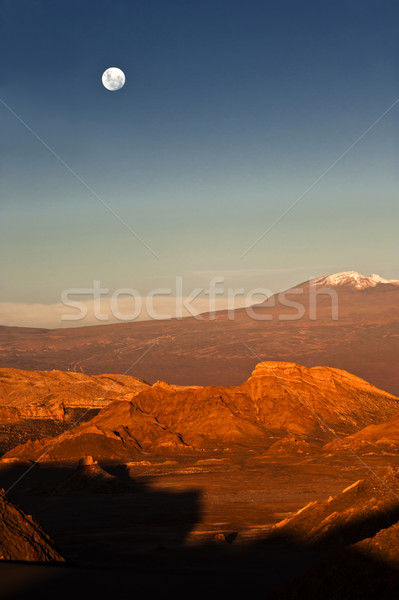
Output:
x=199 y=293
x=272 y=481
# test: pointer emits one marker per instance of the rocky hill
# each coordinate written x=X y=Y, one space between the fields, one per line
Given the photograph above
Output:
x=278 y=400
x=37 y=403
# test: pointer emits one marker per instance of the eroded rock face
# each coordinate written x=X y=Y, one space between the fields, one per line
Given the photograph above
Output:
x=359 y=530
x=38 y=403
x=358 y=512
x=278 y=400
x=22 y=538
x=293 y=397
x=377 y=438
x=43 y=394
x=383 y=546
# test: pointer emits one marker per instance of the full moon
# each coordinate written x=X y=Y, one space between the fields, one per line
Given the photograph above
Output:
x=113 y=79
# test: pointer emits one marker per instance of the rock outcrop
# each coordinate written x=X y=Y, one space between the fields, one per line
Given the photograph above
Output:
x=38 y=403
x=358 y=512
x=22 y=538
x=278 y=400
x=356 y=536
x=380 y=438
x=90 y=477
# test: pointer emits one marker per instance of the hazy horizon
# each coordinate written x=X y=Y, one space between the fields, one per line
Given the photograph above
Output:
x=254 y=142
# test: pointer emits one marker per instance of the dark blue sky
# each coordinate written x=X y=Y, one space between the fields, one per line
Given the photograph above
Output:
x=230 y=112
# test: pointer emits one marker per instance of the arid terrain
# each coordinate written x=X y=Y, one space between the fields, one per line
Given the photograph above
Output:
x=167 y=485
x=228 y=453
x=282 y=407
x=195 y=519
x=199 y=324
x=363 y=340
x=34 y=403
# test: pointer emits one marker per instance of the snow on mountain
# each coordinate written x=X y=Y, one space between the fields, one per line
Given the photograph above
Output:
x=353 y=279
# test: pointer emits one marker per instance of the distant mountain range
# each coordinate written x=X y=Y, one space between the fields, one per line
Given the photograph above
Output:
x=346 y=320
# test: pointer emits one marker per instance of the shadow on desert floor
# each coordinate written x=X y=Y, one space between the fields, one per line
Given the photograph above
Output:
x=134 y=540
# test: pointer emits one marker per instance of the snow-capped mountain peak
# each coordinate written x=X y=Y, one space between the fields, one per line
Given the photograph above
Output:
x=353 y=279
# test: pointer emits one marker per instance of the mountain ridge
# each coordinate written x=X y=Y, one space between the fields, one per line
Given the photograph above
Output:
x=163 y=419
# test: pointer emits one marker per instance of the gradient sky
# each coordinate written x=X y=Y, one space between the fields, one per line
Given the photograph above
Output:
x=230 y=112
